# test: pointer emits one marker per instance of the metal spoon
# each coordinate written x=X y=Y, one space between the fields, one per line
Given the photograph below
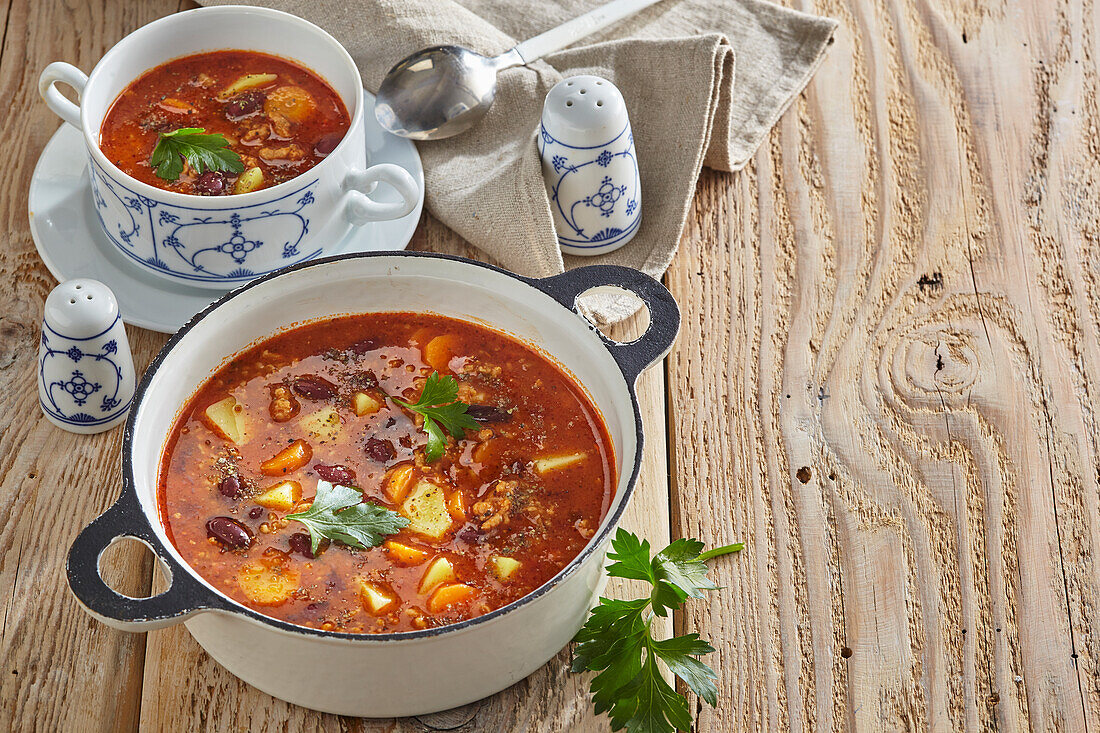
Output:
x=441 y=91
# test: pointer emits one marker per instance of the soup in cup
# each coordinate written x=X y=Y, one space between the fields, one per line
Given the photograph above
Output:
x=236 y=228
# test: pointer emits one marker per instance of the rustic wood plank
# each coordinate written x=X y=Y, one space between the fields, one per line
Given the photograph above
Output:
x=885 y=385
x=61 y=670
x=185 y=690
x=903 y=287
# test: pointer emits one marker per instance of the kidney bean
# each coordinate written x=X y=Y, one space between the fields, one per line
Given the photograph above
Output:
x=256 y=512
x=380 y=450
x=229 y=532
x=230 y=486
x=336 y=474
x=470 y=535
x=300 y=543
x=244 y=103
x=328 y=143
x=488 y=413
x=313 y=387
x=211 y=183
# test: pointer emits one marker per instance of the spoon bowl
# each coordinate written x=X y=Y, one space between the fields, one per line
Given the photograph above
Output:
x=441 y=91
x=438 y=92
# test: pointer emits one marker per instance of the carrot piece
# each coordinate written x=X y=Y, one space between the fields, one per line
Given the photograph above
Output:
x=288 y=460
x=449 y=595
x=438 y=353
x=396 y=482
x=178 y=106
x=403 y=554
x=456 y=505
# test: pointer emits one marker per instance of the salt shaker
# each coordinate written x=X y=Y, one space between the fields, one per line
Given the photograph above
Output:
x=590 y=166
x=85 y=369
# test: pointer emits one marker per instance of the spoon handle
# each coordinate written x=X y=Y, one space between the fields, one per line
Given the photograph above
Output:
x=558 y=38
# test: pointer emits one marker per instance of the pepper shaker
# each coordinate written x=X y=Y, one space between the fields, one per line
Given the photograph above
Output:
x=590 y=166
x=85 y=369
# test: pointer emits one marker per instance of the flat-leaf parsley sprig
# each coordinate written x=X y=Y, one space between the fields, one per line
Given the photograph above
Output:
x=439 y=405
x=339 y=513
x=203 y=152
x=616 y=640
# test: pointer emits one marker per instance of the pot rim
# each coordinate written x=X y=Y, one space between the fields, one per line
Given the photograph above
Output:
x=229 y=201
x=218 y=601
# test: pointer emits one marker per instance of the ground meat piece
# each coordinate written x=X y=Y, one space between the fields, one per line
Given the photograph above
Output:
x=253 y=131
x=285 y=152
x=284 y=405
x=497 y=506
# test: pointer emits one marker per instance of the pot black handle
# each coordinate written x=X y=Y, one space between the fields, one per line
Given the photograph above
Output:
x=125 y=519
x=633 y=357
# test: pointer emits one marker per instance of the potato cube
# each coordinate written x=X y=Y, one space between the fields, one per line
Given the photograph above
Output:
x=403 y=554
x=267 y=586
x=396 y=482
x=248 y=81
x=288 y=460
x=439 y=571
x=377 y=599
x=556 y=463
x=426 y=508
x=365 y=404
x=223 y=417
x=282 y=497
x=449 y=595
x=323 y=425
x=248 y=181
x=504 y=566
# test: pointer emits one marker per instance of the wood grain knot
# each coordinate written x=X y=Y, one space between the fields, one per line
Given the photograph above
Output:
x=14 y=338
x=941 y=362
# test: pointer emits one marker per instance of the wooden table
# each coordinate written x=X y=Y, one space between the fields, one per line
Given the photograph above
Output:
x=886 y=385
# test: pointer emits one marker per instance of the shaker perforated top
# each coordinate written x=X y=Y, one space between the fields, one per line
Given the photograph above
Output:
x=81 y=308
x=582 y=109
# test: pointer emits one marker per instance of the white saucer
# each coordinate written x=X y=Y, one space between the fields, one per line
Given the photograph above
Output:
x=70 y=242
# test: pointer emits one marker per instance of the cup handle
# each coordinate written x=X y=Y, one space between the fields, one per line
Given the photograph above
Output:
x=184 y=597
x=361 y=208
x=59 y=71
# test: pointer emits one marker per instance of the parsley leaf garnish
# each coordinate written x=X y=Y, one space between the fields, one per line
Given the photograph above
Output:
x=339 y=513
x=439 y=405
x=616 y=639
x=204 y=152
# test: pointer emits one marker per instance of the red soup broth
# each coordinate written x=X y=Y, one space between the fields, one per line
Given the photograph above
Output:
x=514 y=501
x=279 y=117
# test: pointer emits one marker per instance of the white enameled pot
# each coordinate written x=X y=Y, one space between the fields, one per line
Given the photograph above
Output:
x=387 y=674
x=223 y=241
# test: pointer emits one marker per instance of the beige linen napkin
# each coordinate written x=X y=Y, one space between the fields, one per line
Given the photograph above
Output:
x=704 y=81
